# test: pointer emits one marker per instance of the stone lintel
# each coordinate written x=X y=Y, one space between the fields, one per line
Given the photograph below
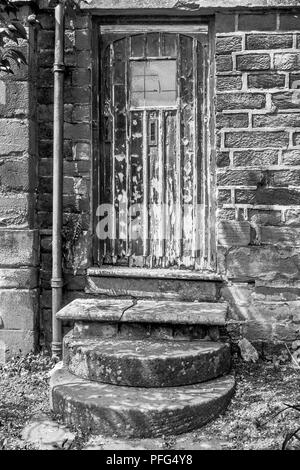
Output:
x=186 y=5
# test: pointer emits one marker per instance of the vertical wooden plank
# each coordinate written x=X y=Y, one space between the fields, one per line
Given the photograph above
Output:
x=105 y=164
x=210 y=77
x=146 y=215
x=172 y=178
x=161 y=199
x=197 y=157
x=120 y=153
x=96 y=106
x=179 y=209
x=202 y=103
x=136 y=191
x=155 y=194
x=187 y=146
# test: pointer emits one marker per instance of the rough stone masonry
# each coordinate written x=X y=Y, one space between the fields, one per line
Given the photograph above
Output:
x=257 y=129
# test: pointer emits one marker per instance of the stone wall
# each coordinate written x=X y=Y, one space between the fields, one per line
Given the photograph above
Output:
x=19 y=244
x=258 y=159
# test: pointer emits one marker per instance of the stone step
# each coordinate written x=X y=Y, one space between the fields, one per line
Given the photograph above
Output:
x=146 y=363
x=143 y=283
x=156 y=331
x=145 y=311
x=120 y=411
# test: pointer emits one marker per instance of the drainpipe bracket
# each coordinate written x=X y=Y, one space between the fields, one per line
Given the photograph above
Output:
x=59 y=68
x=57 y=282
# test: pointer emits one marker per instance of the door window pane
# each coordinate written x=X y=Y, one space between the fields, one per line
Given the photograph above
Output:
x=153 y=83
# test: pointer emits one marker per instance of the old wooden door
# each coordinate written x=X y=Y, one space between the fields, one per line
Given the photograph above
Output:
x=152 y=207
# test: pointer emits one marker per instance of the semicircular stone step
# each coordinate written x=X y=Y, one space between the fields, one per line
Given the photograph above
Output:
x=113 y=410
x=146 y=363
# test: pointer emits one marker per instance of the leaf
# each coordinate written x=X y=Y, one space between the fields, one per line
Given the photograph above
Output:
x=288 y=437
x=16 y=55
x=20 y=29
x=294 y=407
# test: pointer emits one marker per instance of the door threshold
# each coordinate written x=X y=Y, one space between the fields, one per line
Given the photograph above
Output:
x=155 y=273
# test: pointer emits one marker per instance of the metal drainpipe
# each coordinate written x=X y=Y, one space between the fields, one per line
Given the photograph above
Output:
x=58 y=128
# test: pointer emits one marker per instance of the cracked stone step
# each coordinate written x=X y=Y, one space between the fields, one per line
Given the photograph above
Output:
x=145 y=311
x=125 y=412
x=145 y=363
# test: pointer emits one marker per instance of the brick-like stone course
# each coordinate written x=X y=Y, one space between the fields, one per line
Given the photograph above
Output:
x=257 y=157
x=258 y=168
x=19 y=239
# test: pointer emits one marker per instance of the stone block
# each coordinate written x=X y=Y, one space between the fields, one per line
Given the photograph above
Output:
x=226 y=214
x=285 y=177
x=80 y=77
x=257 y=139
x=266 y=80
x=225 y=23
x=15 y=342
x=228 y=44
x=253 y=62
x=239 y=177
x=19 y=248
x=19 y=309
x=78 y=95
x=286 y=100
x=14 y=136
x=223 y=159
x=257 y=22
x=82 y=39
x=263 y=262
x=82 y=151
x=20 y=278
x=229 y=82
x=224 y=196
x=224 y=63
x=287 y=61
x=239 y=120
x=16 y=210
x=262 y=158
x=46 y=39
x=277 y=120
x=289 y=21
x=269 y=41
x=264 y=217
x=286 y=236
x=291 y=157
x=292 y=217
x=268 y=196
x=80 y=131
x=15 y=174
x=14 y=100
x=240 y=101
x=233 y=233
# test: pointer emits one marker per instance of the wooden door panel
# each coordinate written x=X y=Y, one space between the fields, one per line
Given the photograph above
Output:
x=136 y=192
x=152 y=148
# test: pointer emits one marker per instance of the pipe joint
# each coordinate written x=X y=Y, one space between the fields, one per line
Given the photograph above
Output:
x=57 y=282
x=59 y=68
x=56 y=350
